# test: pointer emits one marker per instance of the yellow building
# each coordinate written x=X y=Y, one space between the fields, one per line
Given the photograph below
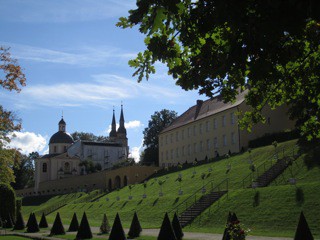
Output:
x=210 y=128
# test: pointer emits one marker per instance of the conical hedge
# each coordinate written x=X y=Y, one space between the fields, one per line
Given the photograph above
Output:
x=303 y=231
x=226 y=235
x=105 y=226
x=177 y=227
x=28 y=220
x=135 y=228
x=57 y=228
x=84 y=231
x=20 y=222
x=9 y=223
x=43 y=221
x=74 y=225
x=166 y=231
x=117 y=232
x=32 y=224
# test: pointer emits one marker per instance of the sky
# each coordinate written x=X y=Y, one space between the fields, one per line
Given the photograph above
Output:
x=76 y=64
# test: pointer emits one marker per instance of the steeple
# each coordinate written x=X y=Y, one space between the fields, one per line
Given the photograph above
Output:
x=62 y=125
x=113 y=133
x=122 y=129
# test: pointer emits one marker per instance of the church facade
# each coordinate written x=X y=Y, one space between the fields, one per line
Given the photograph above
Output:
x=65 y=155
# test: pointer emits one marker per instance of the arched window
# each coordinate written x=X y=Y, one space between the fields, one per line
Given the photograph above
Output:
x=67 y=167
x=44 y=167
x=55 y=149
x=110 y=185
x=117 y=182
x=125 y=181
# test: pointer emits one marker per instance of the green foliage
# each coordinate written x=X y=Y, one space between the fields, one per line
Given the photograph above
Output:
x=117 y=231
x=177 y=227
x=135 y=227
x=43 y=221
x=84 y=231
x=166 y=230
x=74 y=225
x=57 y=228
x=105 y=226
x=219 y=48
x=159 y=121
x=19 y=225
x=88 y=137
x=303 y=231
x=32 y=224
x=7 y=202
x=269 y=138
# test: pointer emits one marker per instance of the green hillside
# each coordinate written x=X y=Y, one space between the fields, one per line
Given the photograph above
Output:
x=276 y=212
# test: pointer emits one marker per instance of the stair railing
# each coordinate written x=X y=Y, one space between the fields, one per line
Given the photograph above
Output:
x=197 y=195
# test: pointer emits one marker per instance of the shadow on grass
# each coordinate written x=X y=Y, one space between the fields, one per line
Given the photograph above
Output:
x=155 y=202
x=176 y=200
x=124 y=204
x=299 y=196
x=140 y=202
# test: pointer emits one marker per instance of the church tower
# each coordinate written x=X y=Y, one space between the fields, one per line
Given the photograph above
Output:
x=113 y=133
x=122 y=132
x=61 y=140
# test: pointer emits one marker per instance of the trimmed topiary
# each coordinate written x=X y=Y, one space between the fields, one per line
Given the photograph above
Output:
x=7 y=203
x=135 y=228
x=226 y=235
x=303 y=231
x=9 y=223
x=43 y=222
x=177 y=227
x=166 y=231
x=117 y=232
x=57 y=228
x=28 y=222
x=32 y=224
x=105 y=226
x=19 y=223
x=74 y=225
x=84 y=231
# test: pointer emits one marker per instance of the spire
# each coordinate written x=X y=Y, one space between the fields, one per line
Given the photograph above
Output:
x=113 y=132
x=62 y=125
x=122 y=128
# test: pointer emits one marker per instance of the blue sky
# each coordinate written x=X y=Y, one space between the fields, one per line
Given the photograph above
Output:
x=76 y=61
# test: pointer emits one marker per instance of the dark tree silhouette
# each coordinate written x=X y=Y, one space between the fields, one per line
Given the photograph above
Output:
x=135 y=228
x=57 y=228
x=20 y=222
x=84 y=231
x=105 y=226
x=117 y=232
x=74 y=225
x=177 y=227
x=166 y=231
x=43 y=221
x=303 y=231
x=32 y=225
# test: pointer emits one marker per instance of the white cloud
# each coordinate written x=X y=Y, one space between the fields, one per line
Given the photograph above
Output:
x=128 y=125
x=28 y=142
x=135 y=152
x=61 y=11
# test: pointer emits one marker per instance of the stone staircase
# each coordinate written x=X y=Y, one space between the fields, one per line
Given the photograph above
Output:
x=199 y=206
x=272 y=173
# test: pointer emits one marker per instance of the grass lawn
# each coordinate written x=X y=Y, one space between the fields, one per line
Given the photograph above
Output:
x=274 y=212
x=12 y=238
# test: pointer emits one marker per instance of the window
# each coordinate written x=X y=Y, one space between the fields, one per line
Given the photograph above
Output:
x=215 y=123
x=171 y=154
x=182 y=134
x=67 y=167
x=208 y=144
x=167 y=155
x=182 y=150
x=194 y=130
x=177 y=152
x=64 y=148
x=171 y=138
x=177 y=136
x=89 y=152
x=207 y=126
x=55 y=149
x=233 y=138
x=232 y=118
x=201 y=146
x=195 y=147
x=161 y=139
x=188 y=131
x=215 y=142
x=223 y=121
x=161 y=156
x=224 y=140
x=166 y=139
x=200 y=128
x=188 y=150
x=44 y=167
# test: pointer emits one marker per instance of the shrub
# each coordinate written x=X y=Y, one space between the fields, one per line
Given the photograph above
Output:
x=20 y=222
x=166 y=231
x=28 y=222
x=57 y=228
x=105 y=226
x=303 y=231
x=9 y=223
x=117 y=232
x=43 y=221
x=74 y=225
x=84 y=231
x=177 y=227
x=135 y=228
x=7 y=202
x=32 y=225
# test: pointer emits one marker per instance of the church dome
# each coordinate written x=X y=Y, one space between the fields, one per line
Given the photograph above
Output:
x=61 y=137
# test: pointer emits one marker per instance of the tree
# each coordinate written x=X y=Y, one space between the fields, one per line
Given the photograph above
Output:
x=43 y=221
x=135 y=227
x=117 y=231
x=166 y=230
x=219 y=47
x=177 y=227
x=74 y=225
x=7 y=203
x=32 y=224
x=84 y=231
x=88 y=137
x=303 y=230
x=23 y=171
x=11 y=78
x=105 y=226
x=57 y=228
x=159 y=120
x=19 y=222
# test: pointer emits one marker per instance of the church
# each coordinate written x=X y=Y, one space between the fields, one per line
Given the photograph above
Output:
x=65 y=155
